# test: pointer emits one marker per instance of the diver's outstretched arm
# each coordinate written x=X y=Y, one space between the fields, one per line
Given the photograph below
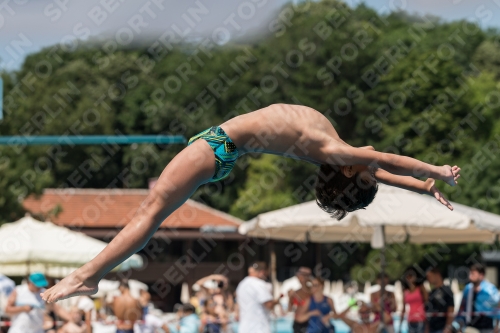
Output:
x=193 y=166
x=395 y=164
x=413 y=184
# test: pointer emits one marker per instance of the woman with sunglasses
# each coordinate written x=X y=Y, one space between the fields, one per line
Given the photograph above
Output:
x=318 y=310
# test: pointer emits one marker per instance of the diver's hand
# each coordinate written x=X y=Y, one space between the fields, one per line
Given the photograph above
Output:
x=432 y=190
x=450 y=174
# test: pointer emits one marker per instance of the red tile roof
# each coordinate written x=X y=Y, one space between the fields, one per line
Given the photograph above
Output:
x=111 y=208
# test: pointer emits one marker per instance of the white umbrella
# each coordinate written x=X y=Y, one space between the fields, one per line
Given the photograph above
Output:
x=30 y=245
x=404 y=214
x=304 y=222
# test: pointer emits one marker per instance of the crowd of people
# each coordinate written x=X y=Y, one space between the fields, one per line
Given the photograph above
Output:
x=425 y=312
x=215 y=307
x=26 y=311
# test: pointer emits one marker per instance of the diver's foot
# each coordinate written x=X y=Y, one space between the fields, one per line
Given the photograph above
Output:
x=70 y=286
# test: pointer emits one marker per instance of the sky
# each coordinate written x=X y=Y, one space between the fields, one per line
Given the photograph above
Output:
x=26 y=26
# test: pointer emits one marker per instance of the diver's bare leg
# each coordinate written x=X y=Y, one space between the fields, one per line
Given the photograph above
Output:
x=192 y=167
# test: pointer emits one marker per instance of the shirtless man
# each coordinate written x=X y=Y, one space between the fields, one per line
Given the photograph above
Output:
x=365 y=325
x=347 y=180
x=126 y=309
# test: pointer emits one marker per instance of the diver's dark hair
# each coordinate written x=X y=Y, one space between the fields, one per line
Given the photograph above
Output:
x=338 y=195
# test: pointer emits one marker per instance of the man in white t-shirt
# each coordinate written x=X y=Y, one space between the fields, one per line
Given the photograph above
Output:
x=255 y=300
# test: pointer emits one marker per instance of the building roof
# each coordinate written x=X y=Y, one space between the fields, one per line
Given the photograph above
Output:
x=111 y=208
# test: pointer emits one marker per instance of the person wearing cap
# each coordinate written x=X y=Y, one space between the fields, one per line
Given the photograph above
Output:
x=26 y=307
x=255 y=300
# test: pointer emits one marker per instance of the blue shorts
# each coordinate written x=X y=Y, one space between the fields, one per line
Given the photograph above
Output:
x=224 y=149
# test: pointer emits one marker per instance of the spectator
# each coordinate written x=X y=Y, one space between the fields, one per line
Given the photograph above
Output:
x=440 y=301
x=76 y=323
x=151 y=324
x=317 y=310
x=365 y=325
x=479 y=301
x=415 y=296
x=26 y=306
x=230 y=300
x=215 y=286
x=189 y=322
x=297 y=298
x=53 y=313
x=86 y=305
x=102 y=308
x=127 y=309
x=389 y=301
x=144 y=299
x=199 y=297
x=213 y=321
x=255 y=301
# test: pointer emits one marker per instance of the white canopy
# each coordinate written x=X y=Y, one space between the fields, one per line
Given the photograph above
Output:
x=30 y=245
x=405 y=214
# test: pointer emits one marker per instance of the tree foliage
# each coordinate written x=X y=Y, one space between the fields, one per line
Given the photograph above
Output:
x=404 y=84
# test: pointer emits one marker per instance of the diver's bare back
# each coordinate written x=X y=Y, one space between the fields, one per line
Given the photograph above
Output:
x=294 y=131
